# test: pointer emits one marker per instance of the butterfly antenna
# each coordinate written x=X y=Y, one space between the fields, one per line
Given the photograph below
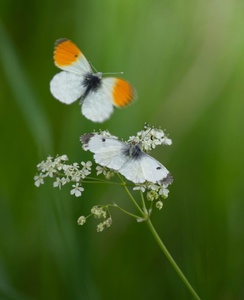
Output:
x=93 y=67
x=110 y=73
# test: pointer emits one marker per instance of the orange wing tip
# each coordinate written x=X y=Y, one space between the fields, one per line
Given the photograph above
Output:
x=65 y=53
x=123 y=93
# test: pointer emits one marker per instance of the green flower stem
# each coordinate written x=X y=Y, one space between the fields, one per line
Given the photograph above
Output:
x=125 y=211
x=146 y=218
x=100 y=181
x=130 y=196
x=133 y=200
x=170 y=258
x=143 y=203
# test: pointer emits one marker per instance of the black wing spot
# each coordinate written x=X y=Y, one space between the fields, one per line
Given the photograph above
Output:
x=103 y=140
x=158 y=168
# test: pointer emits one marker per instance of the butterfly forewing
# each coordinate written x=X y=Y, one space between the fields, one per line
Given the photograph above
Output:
x=108 y=151
x=68 y=57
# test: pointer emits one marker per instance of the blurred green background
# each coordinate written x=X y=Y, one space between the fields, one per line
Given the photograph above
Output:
x=186 y=59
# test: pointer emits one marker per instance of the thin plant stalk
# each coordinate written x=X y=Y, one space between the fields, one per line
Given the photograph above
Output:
x=146 y=218
x=170 y=259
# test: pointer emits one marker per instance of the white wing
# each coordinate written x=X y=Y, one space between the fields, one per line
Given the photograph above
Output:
x=114 y=154
x=146 y=168
x=108 y=152
x=132 y=170
x=67 y=87
x=154 y=171
x=98 y=105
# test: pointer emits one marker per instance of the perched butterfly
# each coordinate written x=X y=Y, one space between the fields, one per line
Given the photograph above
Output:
x=77 y=81
x=128 y=159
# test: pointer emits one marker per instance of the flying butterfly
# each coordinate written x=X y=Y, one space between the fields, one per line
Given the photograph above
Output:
x=97 y=95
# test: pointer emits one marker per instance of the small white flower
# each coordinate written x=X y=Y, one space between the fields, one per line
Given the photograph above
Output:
x=76 y=176
x=84 y=173
x=68 y=170
x=153 y=187
x=140 y=187
x=64 y=157
x=58 y=183
x=51 y=172
x=101 y=170
x=166 y=141
x=75 y=166
x=59 y=161
x=81 y=220
x=87 y=165
x=38 y=180
x=64 y=180
x=163 y=192
x=45 y=163
x=77 y=190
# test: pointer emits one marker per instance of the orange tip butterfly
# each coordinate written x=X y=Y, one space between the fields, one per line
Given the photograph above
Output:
x=77 y=81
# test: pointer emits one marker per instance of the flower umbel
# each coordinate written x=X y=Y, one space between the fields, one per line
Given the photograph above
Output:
x=148 y=176
x=150 y=137
x=63 y=173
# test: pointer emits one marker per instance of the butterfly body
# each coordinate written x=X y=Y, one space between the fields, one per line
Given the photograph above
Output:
x=91 y=82
x=98 y=95
x=128 y=159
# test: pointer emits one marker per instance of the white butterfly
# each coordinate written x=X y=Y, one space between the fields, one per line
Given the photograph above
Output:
x=128 y=159
x=77 y=81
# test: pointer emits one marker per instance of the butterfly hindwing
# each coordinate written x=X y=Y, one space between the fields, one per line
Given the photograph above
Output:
x=132 y=170
x=98 y=106
x=67 y=87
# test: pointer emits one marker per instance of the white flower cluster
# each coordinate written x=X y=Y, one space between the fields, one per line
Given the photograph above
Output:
x=63 y=173
x=98 y=212
x=150 y=137
x=154 y=192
